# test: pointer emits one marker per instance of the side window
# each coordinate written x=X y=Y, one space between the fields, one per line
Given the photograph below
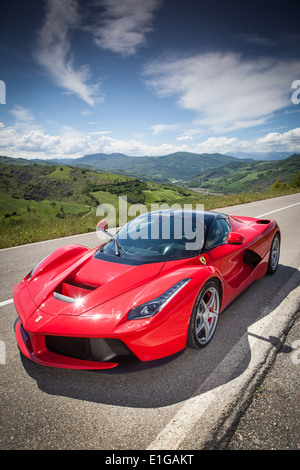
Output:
x=217 y=234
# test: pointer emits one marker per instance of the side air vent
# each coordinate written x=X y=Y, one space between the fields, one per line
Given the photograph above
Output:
x=252 y=258
x=263 y=221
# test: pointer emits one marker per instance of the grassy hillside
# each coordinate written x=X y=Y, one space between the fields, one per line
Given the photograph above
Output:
x=245 y=176
x=40 y=202
x=175 y=166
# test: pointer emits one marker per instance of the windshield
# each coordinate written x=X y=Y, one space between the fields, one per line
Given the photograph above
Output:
x=158 y=236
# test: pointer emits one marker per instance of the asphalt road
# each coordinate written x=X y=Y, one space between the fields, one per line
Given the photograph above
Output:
x=272 y=419
x=186 y=402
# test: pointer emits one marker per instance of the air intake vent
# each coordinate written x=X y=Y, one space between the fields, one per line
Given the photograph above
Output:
x=263 y=221
x=90 y=349
x=67 y=292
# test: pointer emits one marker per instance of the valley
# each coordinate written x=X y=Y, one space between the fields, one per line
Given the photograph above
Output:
x=42 y=200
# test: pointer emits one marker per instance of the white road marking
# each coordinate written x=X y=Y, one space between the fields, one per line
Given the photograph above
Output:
x=2 y=353
x=277 y=210
x=6 y=302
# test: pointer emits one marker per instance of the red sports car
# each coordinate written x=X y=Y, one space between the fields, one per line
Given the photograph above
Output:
x=156 y=287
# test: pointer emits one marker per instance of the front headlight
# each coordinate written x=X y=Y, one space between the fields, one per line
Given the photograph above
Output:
x=150 y=308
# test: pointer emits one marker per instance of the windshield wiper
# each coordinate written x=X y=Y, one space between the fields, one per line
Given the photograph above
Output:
x=118 y=246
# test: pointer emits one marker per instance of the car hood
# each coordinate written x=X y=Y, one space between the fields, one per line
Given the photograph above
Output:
x=91 y=283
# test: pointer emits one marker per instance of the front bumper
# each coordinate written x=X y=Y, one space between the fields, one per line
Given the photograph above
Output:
x=34 y=347
x=99 y=341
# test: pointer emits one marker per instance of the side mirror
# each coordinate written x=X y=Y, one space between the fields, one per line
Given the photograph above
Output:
x=235 y=238
x=102 y=225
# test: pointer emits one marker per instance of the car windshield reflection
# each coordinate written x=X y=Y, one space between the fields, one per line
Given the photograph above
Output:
x=159 y=236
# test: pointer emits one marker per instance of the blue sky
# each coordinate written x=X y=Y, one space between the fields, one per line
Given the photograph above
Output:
x=148 y=77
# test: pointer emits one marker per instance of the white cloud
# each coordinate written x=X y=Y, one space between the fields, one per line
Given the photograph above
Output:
x=217 y=145
x=184 y=137
x=85 y=112
x=280 y=142
x=161 y=128
x=134 y=147
x=54 y=50
x=123 y=26
x=22 y=114
x=25 y=120
x=73 y=144
x=17 y=144
x=226 y=91
x=100 y=132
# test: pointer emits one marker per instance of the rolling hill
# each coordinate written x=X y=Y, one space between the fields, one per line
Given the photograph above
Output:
x=44 y=200
x=248 y=176
x=167 y=168
x=175 y=166
x=39 y=202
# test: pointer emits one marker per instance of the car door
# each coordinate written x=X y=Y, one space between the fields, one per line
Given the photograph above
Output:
x=227 y=258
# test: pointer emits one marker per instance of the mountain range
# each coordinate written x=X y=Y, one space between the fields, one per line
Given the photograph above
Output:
x=176 y=167
x=182 y=166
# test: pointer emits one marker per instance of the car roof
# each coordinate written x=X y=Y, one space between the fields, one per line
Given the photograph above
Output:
x=209 y=216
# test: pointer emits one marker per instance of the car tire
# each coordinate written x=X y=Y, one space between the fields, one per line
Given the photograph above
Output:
x=274 y=254
x=205 y=315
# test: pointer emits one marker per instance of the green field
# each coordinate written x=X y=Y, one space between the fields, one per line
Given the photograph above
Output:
x=245 y=176
x=40 y=202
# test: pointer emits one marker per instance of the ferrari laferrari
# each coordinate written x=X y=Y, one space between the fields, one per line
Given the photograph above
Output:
x=153 y=289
